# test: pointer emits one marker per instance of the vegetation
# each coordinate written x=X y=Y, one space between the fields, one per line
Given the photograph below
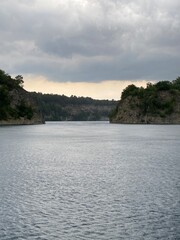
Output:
x=132 y=90
x=62 y=108
x=9 y=82
x=155 y=99
x=9 y=108
x=53 y=107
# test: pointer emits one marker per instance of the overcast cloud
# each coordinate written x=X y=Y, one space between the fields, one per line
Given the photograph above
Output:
x=91 y=40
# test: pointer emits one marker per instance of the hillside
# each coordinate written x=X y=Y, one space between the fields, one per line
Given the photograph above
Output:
x=17 y=106
x=63 y=108
x=156 y=104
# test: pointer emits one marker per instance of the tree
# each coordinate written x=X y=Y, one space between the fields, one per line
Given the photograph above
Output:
x=163 y=85
x=19 y=80
x=176 y=83
x=130 y=90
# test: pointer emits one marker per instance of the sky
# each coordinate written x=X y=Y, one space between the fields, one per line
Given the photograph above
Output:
x=90 y=48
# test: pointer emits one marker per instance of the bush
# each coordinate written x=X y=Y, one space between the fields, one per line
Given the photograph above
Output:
x=130 y=90
x=163 y=85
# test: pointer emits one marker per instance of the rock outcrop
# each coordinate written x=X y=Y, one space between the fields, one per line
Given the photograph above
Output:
x=17 y=106
x=157 y=104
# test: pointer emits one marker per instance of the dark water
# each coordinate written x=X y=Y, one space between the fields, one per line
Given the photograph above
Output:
x=90 y=180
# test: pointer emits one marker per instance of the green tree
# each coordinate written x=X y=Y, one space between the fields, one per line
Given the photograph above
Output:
x=176 y=83
x=130 y=90
x=19 y=80
x=163 y=85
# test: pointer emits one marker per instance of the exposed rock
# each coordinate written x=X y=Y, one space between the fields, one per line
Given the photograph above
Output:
x=21 y=121
x=17 y=106
x=151 y=107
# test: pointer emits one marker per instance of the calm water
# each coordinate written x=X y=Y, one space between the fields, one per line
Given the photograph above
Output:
x=90 y=180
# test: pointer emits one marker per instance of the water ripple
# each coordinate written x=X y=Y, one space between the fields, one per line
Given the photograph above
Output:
x=89 y=181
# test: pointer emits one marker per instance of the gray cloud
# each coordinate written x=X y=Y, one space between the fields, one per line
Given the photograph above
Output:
x=81 y=40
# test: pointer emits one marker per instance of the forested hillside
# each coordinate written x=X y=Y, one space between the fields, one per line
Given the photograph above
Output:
x=63 y=108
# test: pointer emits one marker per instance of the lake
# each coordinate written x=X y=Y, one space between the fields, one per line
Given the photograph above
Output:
x=90 y=180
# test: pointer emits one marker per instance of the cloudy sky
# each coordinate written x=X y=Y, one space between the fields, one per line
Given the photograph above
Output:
x=90 y=47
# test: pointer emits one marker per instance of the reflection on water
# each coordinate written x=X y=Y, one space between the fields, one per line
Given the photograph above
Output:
x=89 y=180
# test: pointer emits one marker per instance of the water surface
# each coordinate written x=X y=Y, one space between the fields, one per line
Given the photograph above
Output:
x=89 y=180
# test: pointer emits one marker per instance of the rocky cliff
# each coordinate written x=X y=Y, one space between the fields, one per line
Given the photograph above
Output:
x=17 y=106
x=156 y=104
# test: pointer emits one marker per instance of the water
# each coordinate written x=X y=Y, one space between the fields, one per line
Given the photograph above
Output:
x=89 y=180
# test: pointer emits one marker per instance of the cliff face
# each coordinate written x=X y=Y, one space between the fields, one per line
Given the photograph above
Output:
x=148 y=106
x=21 y=110
x=17 y=106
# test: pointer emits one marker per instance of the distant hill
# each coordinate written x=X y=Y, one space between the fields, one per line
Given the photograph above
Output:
x=156 y=104
x=17 y=106
x=63 y=108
